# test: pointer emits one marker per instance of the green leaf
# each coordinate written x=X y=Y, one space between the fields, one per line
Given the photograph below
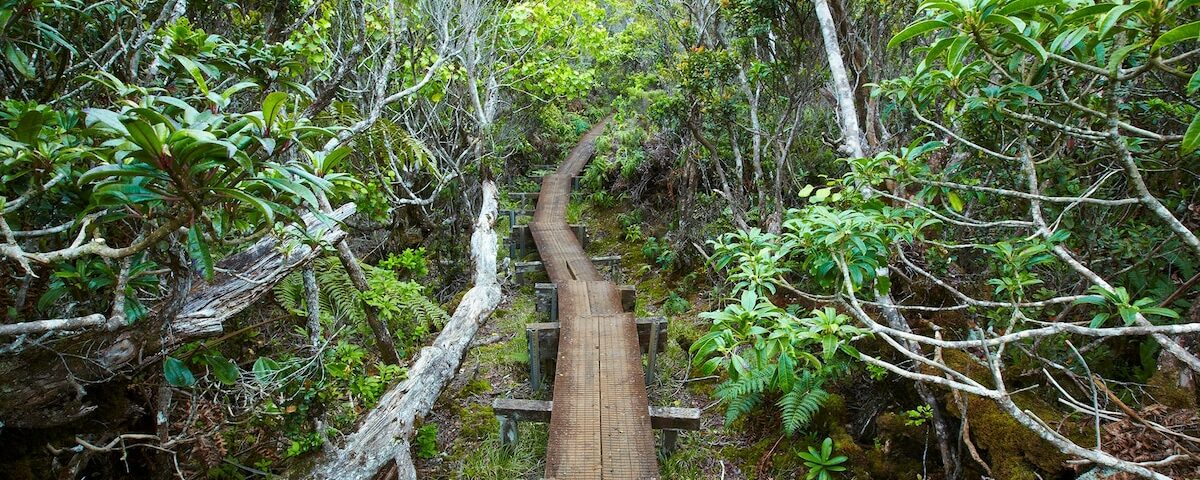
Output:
x=120 y=170
x=109 y=118
x=1028 y=45
x=262 y=205
x=271 y=107
x=200 y=252
x=808 y=189
x=1175 y=35
x=956 y=202
x=19 y=61
x=193 y=70
x=1191 y=138
x=224 y=369
x=883 y=285
x=177 y=374
x=264 y=369
x=1162 y=312
x=143 y=135
x=915 y=29
x=29 y=127
x=821 y=195
x=1022 y=5
x=1194 y=83
x=1110 y=19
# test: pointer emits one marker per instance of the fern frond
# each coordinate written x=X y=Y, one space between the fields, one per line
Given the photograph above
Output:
x=800 y=404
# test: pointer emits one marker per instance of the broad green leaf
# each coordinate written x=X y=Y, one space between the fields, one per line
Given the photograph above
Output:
x=265 y=369
x=143 y=135
x=19 y=61
x=1194 y=83
x=262 y=205
x=177 y=374
x=271 y=108
x=1028 y=45
x=29 y=127
x=1022 y=5
x=1191 y=138
x=224 y=369
x=808 y=189
x=1188 y=31
x=109 y=118
x=1162 y=312
x=883 y=285
x=200 y=251
x=956 y=202
x=1085 y=12
x=1110 y=19
x=119 y=170
x=1118 y=57
x=193 y=70
x=915 y=29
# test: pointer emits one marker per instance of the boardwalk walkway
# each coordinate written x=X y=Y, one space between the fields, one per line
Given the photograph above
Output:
x=599 y=426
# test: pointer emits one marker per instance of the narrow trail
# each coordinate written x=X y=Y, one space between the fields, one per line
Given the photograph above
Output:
x=599 y=426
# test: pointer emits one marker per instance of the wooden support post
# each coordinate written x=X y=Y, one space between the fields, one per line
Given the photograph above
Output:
x=525 y=197
x=610 y=264
x=547 y=299
x=671 y=420
x=628 y=298
x=538 y=411
x=652 y=360
x=669 y=438
x=521 y=239
x=580 y=234
x=511 y=215
x=508 y=431
x=543 y=341
x=575 y=182
x=533 y=338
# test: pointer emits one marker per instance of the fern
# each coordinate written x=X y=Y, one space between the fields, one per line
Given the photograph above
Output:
x=744 y=393
x=339 y=299
x=800 y=404
x=403 y=305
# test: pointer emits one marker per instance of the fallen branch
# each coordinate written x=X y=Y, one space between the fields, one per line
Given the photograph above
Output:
x=385 y=432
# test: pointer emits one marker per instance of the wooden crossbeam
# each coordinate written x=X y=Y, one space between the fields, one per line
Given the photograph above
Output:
x=510 y=411
x=535 y=266
x=520 y=238
x=542 y=341
x=546 y=298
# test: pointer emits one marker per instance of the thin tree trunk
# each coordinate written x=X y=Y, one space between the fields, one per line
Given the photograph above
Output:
x=852 y=145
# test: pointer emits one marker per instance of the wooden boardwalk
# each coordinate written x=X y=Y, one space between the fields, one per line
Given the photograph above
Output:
x=599 y=425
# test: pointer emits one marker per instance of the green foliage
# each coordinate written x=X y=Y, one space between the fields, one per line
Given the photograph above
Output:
x=658 y=253
x=918 y=416
x=426 y=441
x=767 y=351
x=821 y=463
x=410 y=261
x=1126 y=308
x=675 y=304
x=402 y=304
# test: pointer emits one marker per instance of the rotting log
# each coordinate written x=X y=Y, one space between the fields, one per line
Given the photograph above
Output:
x=53 y=384
x=384 y=434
